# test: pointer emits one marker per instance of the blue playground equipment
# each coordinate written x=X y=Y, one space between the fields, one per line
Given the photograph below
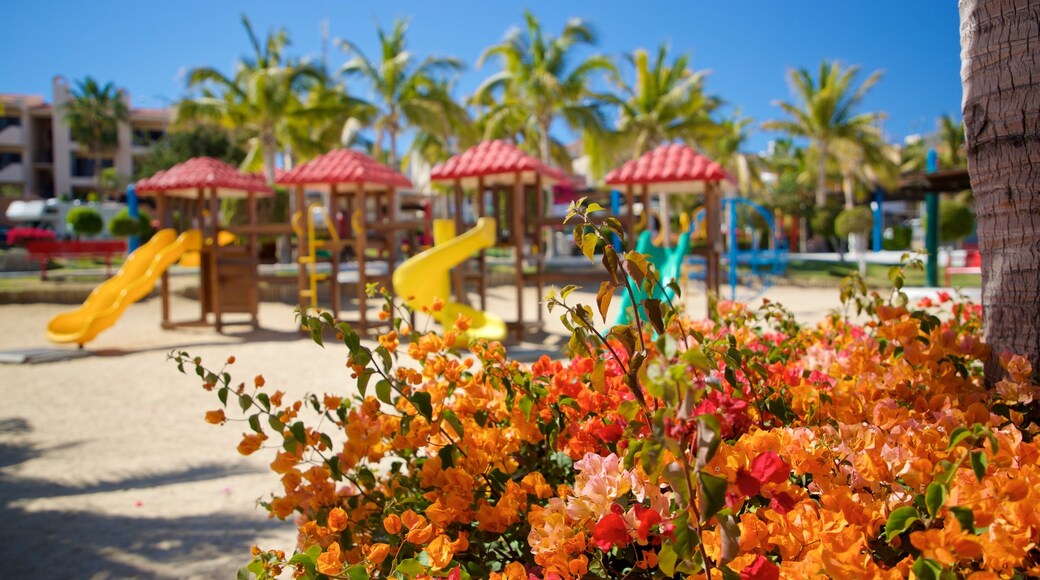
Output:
x=763 y=264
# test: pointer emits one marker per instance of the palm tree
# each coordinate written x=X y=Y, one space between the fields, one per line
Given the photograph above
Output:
x=93 y=115
x=951 y=143
x=536 y=85
x=665 y=102
x=1000 y=48
x=262 y=101
x=825 y=112
x=410 y=92
x=726 y=149
x=865 y=161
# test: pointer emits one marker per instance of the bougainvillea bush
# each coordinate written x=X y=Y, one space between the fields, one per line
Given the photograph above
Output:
x=743 y=446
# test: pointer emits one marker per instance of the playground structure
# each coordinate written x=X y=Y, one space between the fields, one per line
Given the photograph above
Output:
x=193 y=189
x=228 y=273
x=360 y=213
x=424 y=278
x=134 y=281
x=669 y=170
x=508 y=186
x=763 y=263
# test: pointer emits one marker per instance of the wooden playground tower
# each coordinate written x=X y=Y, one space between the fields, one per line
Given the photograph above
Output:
x=228 y=275
x=676 y=169
x=509 y=185
x=361 y=216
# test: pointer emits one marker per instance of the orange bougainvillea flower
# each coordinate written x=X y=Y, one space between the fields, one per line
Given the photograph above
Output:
x=215 y=417
x=251 y=442
x=330 y=562
x=376 y=553
x=337 y=520
x=392 y=524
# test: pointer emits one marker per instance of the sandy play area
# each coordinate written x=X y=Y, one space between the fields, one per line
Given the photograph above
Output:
x=107 y=469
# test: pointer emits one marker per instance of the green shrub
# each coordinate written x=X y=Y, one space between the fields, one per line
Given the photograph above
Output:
x=857 y=220
x=956 y=221
x=901 y=238
x=823 y=218
x=85 y=221
x=124 y=226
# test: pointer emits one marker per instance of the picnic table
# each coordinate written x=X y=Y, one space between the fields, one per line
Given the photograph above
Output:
x=45 y=250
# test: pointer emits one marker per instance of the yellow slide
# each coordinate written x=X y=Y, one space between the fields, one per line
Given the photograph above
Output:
x=424 y=277
x=133 y=282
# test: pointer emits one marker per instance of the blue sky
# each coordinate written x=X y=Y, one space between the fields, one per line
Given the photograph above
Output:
x=749 y=45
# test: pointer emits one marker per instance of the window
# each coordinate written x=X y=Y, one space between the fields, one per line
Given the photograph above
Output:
x=9 y=158
x=146 y=137
x=6 y=122
x=84 y=167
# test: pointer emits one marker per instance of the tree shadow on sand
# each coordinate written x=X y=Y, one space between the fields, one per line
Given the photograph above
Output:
x=44 y=543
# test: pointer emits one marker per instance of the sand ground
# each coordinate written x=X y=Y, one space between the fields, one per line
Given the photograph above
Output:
x=107 y=469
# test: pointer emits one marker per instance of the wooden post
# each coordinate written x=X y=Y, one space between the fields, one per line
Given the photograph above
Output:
x=644 y=197
x=518 y=249
x=712 y=206
x=301 y=248
x=335 y=250
x=481 y=211
x=254 y=248
x=458 y=274
x=539 y=197
x=362 y=242
x=630 y=219
x=164 y=222
x=213 y=277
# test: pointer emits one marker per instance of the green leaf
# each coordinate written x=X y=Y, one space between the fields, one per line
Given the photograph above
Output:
x=567 y=290
x=315 y=326
x=222 y=394
x=588 y=246
x=598 y=377
x=900 y=521
x=383 y=391
x=934 y=498
x=666 y=559
x=245 y=401
x=357 y=572
x=410 y=567
x=603 y=298
x=275 y=424
x=244 y=574
x=526 y=404
x=979 y=463
x=636 y=266
x=452 y=419
x=298 y=431
x=447 y=455
x=363 y=378
x=254 y=422
x=926 y=569
x=966 y=517
x=713 y=494
x=653 y=314
x=959 y=434
x=593 y=207
x=421 y=400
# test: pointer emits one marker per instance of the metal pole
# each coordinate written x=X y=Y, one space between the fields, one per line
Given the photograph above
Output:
x=879 y=200
x=133 y=210
x=931 y=237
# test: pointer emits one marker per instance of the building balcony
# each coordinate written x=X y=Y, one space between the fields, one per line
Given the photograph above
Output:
x=12 y=173
x=12 y=136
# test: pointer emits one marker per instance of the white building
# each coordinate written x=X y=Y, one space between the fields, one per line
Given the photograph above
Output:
x=38 y=155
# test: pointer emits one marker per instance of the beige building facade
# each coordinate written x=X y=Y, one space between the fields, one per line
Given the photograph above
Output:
x=39 y=157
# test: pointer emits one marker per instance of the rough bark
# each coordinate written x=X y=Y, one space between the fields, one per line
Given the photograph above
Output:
x=1000 y=71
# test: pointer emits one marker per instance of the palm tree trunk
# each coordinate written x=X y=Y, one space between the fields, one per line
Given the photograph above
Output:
x=543 y=139
x=1000 y=50
x=821 y=175
x=846 y=188
x=393 y=149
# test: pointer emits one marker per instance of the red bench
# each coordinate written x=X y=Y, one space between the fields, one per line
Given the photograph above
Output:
x=44 y=251
x=972 y=265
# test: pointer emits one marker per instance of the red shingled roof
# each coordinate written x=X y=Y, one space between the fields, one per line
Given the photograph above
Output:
x=343 y=166
x=203 y=173
x=667 y=164
x=493 y=158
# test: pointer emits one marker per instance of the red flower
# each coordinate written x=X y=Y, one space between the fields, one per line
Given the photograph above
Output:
x=611 y=433
x=456 y=573
x=648 y=518
x=782 y=502
x=768 y=467
x=747 y=483
x=610 y=531
x=760 y=569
